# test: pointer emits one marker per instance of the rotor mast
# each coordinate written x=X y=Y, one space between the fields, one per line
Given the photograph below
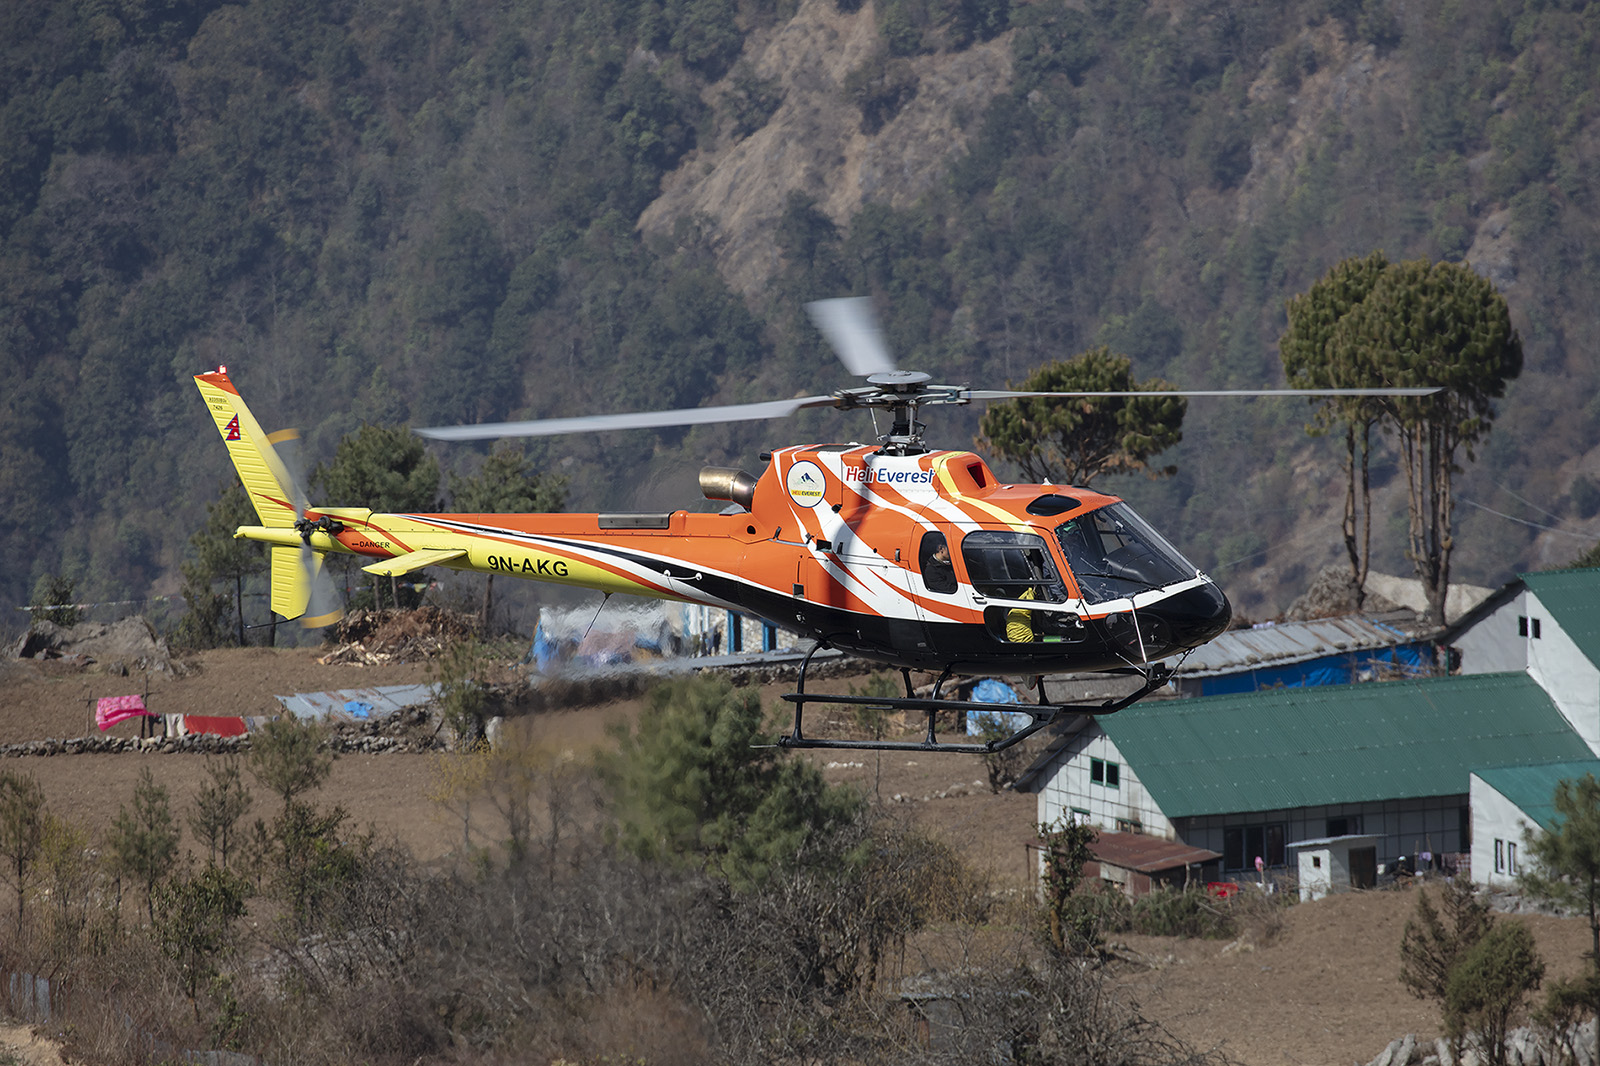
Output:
x=901 y=392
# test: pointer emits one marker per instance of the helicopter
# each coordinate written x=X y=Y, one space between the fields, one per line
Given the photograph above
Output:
x=904 y=555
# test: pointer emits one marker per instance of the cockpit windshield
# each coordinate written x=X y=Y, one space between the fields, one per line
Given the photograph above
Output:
x=1114 y=553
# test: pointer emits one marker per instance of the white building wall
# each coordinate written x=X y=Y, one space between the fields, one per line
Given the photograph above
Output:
x=1492 y=646
x=1498 y=852
x=1563 y=671
x=1068 y=788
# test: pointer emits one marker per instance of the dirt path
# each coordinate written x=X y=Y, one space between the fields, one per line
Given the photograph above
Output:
x=20 y=1046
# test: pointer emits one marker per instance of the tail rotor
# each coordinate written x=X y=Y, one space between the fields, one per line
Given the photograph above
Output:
x=311 y=588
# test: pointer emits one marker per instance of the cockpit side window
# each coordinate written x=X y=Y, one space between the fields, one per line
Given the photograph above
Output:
x=1011 y=566
x=933 y=557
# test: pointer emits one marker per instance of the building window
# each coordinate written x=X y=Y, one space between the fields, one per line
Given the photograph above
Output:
x=1078 y=816
x=1527 y=626
x=1499 y=856
x=1342 y=827
x=1243 y=844
x=1511 y=858
x=1129 y=825
x=1105 y=772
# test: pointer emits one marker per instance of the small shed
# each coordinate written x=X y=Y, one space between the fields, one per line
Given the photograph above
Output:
x=1138 y=863
x=1337 y=864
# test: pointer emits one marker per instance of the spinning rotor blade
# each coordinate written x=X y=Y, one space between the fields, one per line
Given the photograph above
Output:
x=1006 y=394
x=312 y=586
x=687 y=416
x=323 y=606
x=852 y=329
x=290 y=470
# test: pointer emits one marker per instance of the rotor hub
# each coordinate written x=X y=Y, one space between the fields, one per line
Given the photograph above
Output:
x=899 y=380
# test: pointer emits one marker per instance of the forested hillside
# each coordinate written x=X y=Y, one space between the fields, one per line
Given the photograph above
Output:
x=433 y=212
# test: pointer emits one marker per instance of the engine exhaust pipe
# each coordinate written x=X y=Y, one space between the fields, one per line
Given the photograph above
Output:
x=727 y=483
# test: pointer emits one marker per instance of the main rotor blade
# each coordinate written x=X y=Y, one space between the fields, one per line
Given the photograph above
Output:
x=852 y=329
x=688 y=416
x=1006 y=394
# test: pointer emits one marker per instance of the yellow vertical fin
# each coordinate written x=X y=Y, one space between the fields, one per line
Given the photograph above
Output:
x=265 y=479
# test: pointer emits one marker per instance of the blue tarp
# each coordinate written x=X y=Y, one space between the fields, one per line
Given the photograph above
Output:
x=991 y=691
x=1342 y=669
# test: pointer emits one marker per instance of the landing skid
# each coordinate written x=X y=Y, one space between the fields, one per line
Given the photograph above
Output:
x=1043 y=712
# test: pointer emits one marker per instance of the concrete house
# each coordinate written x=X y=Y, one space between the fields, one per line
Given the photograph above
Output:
x=1246 y=775
x=1507 y=803
x=1446 y=766
x=1547 y=624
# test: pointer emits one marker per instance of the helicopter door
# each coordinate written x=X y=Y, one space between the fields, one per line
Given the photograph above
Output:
x=870 y=591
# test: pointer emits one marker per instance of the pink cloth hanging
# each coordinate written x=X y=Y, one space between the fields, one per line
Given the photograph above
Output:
x=113 y=709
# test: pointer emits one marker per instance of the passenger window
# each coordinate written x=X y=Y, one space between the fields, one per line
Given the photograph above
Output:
x=1012 y=566
x=933 y=557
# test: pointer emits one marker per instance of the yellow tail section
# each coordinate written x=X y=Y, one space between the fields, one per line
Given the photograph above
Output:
x=265 y=479
x=269 y=486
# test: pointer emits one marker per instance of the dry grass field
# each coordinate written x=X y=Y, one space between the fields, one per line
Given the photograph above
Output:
x=1322 y=988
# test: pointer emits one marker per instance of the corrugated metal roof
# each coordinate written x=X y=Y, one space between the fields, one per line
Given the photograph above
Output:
x=1146 y=854
x=1289 y=642
x=1298 y=747
x=1533 y=788
x=1573 y=598
x=381 y=702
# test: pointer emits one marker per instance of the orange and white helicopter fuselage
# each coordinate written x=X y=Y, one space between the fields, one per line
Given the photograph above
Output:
x=919 y=561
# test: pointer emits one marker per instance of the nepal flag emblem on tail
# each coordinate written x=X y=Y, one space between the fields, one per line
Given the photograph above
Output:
x=231 y=432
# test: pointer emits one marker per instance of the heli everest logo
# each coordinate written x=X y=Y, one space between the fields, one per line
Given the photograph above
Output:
x=885 y=476
x=805 y=483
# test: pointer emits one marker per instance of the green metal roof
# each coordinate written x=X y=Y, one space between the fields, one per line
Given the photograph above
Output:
x=1573 y=599
x=1299 y=747
x=1532 y=788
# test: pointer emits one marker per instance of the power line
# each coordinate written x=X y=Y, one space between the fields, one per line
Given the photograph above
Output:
x=1524 y=521
x=86 y=606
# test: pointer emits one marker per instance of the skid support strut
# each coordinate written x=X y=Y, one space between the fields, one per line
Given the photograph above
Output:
x=1043 y=714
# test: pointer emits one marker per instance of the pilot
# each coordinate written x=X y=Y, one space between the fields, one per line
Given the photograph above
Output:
x=937 y=571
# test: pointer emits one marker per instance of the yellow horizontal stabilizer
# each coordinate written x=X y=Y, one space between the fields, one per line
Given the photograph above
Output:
x=405 y=564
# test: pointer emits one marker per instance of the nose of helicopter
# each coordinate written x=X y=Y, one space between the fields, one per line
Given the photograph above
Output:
x=1191 y=618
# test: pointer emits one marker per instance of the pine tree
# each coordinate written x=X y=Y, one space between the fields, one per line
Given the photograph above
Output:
x=1074 y=441
x=218 y=806
x=22 y=825
x=143 y=840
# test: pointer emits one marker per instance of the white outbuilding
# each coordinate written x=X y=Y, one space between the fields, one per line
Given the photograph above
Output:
x=1336 y=864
